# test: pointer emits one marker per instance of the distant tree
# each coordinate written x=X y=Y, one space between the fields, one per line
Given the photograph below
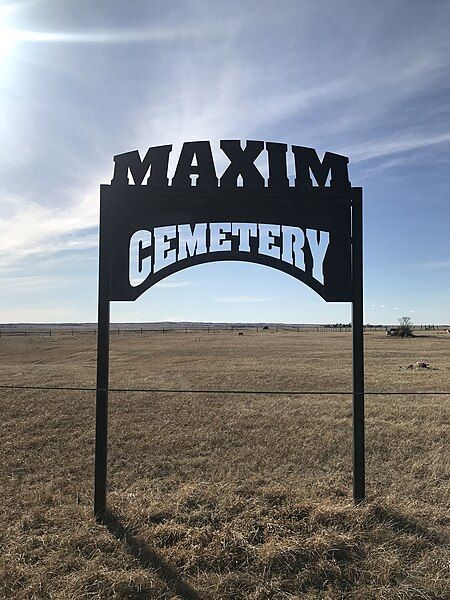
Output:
x=406 y=327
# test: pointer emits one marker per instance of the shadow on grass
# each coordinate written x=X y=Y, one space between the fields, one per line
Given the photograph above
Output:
x=148 y=558
x=400 y=523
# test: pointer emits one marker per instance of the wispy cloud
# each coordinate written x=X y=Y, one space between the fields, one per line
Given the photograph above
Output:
x=179 y=33
x=240 y=299
x=437 y=264
x=172 y=284
x=28 y=228
x=36 y=315
x=27 y=283
x=388 y=145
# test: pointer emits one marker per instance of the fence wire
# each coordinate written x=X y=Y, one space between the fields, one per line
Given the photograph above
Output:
x=248 y=392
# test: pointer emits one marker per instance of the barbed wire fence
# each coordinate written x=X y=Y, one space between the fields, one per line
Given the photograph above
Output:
x=237 y=391
x=215 y=329
x=338 y=328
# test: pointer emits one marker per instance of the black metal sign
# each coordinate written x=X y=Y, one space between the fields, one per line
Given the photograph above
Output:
x=150 y=230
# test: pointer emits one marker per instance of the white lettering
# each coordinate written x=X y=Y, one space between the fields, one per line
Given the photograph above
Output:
x=139 y=267
x=244 y=231
x=218 y=241
x=267 y=240
x=318 y=243
x=174 y=243
x=191 y=243
x=293 y=242
x=163 y=255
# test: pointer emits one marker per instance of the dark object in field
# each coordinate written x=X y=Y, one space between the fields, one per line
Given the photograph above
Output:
x=405 y=328
x=399 y=332
x=422 y=365
x=240 y=333
x=266 y=327
x=393 y=332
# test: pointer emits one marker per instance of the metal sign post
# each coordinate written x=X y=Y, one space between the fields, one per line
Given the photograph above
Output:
x=101 y=408
x=358 y=348
x=151 y=230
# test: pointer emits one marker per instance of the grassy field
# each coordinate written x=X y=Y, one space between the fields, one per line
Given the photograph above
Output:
x=225 y=496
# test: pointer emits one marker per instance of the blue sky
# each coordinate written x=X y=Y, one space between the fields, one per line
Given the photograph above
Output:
x=81 y=81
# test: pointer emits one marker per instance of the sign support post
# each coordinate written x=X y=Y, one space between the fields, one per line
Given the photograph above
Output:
x=101 y=409
x=358 y=348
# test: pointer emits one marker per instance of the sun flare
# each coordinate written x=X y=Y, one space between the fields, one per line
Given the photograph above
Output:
x=7 y=37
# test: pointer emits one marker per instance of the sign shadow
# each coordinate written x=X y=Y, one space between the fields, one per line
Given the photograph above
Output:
x=148 y=557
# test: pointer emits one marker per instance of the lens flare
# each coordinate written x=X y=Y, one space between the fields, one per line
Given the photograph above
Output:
x=6 y=37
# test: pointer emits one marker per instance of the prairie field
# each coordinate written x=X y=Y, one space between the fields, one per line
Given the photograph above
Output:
x=223 y=496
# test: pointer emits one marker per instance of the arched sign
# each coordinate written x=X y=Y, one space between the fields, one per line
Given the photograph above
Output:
x=149 y=230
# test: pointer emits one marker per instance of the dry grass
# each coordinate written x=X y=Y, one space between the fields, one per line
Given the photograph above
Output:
x=222 y=497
